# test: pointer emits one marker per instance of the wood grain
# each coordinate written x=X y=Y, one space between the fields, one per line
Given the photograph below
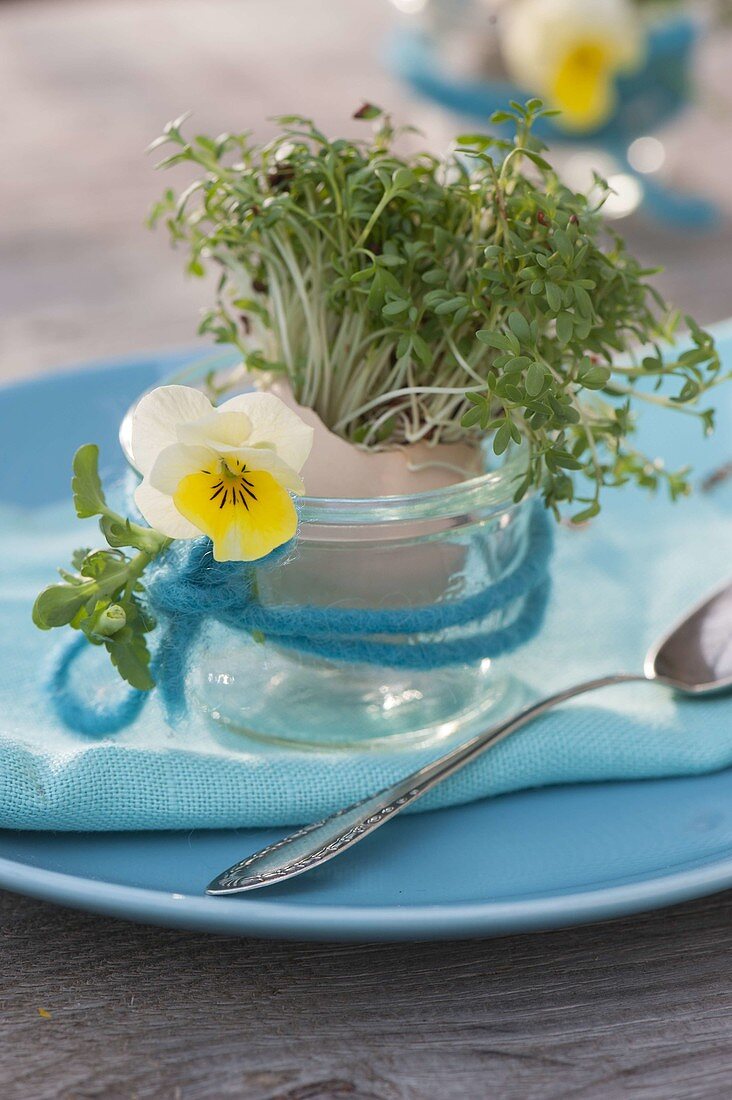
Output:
x=641 y=1007
x=638 y=1008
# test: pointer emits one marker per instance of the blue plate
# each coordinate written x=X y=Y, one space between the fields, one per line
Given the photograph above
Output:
x=527 y=861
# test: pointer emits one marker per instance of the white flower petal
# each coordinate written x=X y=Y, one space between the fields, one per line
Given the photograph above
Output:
x=275 y=424
x=157 y=417
x=228 y=428
x=178 y=461
x=160 y=512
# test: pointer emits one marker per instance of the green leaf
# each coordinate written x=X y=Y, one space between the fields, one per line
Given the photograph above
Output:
x=108 y=568
x=693 y=357
x=539 y=161
x=553 y=297
x=492 y=275
x=363 y=275
x=402 y=179
x=422 y=350
x=481 y=140
x=587 y=513
x=563 y=245
x=535 y=380
x=519 y=326
x=130 y=656
x=516 y=363
x=70 y=578
x=368 y=111
x=58 y=604
x=566 y=460
x=85 y=485
x=583 y=300
x=377 y=291
x=502 y=438
x=450 y=306
x=494 y=339
x=565 y=326
x=472 y=417
x=393 y=309
x=122 y=532
x=77 y=558
x=595 y=378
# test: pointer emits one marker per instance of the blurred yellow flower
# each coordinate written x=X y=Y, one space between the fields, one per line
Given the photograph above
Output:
x=225 y=471
x=569 y=52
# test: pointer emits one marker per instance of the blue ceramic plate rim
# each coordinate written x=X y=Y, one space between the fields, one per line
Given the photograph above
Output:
x=285 y=920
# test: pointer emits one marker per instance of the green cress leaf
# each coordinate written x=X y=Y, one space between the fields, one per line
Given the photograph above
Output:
x=535 y=380
x=366 y=111
x=402 y=179
x=538 y=160
x=553 y=297
x=502 y=438
x=519 y=326
x=494 y=339
x=472 y=416
x=564 y=328
x=596 y=378
x=563 y=244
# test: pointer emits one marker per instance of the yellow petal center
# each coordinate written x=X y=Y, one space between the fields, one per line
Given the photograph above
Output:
x=246 y=513
x=582 y=87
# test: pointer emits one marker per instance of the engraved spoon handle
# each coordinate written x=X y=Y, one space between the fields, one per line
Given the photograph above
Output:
x=314 y=844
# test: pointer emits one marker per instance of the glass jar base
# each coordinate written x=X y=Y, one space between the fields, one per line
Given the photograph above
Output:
x=286 y=699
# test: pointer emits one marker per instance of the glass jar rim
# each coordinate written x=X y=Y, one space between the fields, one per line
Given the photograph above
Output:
x=490 y=491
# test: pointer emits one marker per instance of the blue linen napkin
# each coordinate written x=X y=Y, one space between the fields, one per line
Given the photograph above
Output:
x=618 y=584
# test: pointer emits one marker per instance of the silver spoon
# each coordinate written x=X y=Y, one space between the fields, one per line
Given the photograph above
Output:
x=694 y=658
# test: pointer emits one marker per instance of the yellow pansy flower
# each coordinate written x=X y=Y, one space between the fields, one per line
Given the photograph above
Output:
x=570 y=51
x=226 y=471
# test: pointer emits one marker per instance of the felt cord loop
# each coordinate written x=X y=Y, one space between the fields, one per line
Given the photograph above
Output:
x=186 y=589
x=85 y=713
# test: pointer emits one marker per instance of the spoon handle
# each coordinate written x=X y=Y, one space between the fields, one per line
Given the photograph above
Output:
x=314 y=844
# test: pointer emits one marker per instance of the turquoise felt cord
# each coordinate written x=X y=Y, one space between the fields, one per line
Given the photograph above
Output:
x=188 y=589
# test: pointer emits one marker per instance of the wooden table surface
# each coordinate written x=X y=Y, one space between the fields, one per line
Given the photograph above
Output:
x=91 y=1007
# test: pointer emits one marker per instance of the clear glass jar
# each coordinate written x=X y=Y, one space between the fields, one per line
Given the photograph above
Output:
x=397 y=552
x=389 y=552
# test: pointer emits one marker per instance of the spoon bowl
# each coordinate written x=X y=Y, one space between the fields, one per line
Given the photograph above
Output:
x=695 y=657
